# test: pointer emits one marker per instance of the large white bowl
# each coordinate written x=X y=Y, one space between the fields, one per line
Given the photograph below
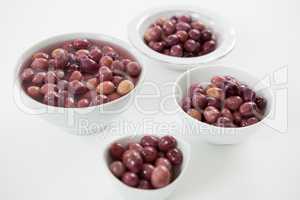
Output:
x=79 y=121
x=225 y=34
x=130 y=193
x=210 y=133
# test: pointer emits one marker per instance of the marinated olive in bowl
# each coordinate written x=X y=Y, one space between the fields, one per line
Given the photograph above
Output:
x=224 y=102
x=79 y=73
x=180 y=36
x=152 y=162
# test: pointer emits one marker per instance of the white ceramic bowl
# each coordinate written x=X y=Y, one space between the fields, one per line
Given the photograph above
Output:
x=79 y=121
x=210 y=133
x=130 y=193
x=225 y=35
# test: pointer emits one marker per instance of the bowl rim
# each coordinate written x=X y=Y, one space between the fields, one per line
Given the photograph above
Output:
x=181 y=76
x=69 y=36
x=180 y=142
x=136 y=41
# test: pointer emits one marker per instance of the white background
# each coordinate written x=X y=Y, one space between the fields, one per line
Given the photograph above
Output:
x=40 y=162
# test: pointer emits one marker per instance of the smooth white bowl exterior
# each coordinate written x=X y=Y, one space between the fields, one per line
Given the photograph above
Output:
x=79 y=121
x=210 y=133
x=225 y=35
x=129 y=193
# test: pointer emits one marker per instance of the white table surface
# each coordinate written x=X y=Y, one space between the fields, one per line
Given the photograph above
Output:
x=40 y=162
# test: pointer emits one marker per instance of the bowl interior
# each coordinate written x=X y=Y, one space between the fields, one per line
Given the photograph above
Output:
x=225 y=34
x=183 y=146
x=203 y=75
x=54 y=41
x=207 y=20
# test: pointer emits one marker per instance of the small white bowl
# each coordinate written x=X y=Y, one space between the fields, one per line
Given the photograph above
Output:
x=130 y=193
x=210 y=133
x=78 y=121
x=225 y=35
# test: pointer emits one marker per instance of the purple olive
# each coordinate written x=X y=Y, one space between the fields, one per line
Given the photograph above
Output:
x=133 y=160
x=27 y=75
x=208 y=47
x=224 y=122
x=233 y=102
x=105 y=74
x=206 y=35
x=191 y=45
x=167 y=143
x=40 y=64
x=211 y=114
x=248 y=109
x=237 y=118
x=261 y=103
x=175 y=156
x=39 y=78
x=146 y=172
x=165 y=162
x=117 y=168
x=130 y=179
x=133 y=69
x=157 y=46
x=186 y=104
x=95 y=54
x=145 y=185
x=212 y=101
x=184 y=18
x=225 y=112
x=218 y=81
x=199 y=101
x=135 y=146
x=150 y=141
x=252 y=120
x=117 y=150
x=149 y=154
x=183 y=26
x=247 y=94
x=34 y=92
x=161 y=176
x=176 y=50
x=172 y=40
x=51 y=98
x=194 y=34
x=81 y=43
x=76 y=87
x=88 y=65
x=198 y=25
x=168 y=27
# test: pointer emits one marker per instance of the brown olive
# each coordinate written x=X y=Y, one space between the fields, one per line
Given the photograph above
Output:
x=195 y=114
x=34 y=92
x=125 y=87
x=106 y=88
